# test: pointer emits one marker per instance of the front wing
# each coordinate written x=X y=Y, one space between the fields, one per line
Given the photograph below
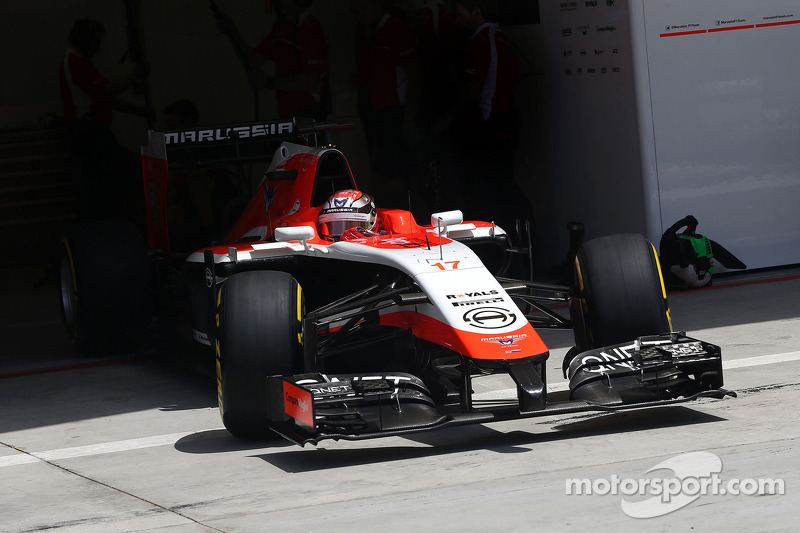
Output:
x=649 y=372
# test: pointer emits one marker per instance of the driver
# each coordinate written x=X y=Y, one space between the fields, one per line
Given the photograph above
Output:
x=347 y=214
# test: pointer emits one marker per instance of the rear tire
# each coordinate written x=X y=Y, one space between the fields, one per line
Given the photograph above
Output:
x=104 y=285
x=260 y=334
x=622 y=293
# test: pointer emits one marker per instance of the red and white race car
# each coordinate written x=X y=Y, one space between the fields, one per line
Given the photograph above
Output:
x=331 y=318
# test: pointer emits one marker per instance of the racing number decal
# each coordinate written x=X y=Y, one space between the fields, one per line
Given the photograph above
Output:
x=444 y=266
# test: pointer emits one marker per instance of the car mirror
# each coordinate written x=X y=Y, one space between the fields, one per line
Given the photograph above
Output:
x=294 y=233
x=447 y=218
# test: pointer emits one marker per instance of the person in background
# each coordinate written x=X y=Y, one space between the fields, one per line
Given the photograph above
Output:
x=296 y=45
x=110 y=183
x=87 y=96
x=484 y=120
x=389 y=83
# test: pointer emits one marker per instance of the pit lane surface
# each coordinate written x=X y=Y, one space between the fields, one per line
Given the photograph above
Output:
x=135 y=443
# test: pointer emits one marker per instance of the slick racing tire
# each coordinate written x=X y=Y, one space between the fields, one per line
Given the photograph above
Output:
x=621 y=289
x=260 y=334
x=104 y=286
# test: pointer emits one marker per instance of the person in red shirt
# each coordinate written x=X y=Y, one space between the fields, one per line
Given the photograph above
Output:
x=296 y=45
x=110 y=184
x=484 y=120
x=486 y=109
x=85 y=94
x=389 y=83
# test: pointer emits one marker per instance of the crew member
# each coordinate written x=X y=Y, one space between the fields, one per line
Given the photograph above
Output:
x=389 y=82
x=484 y=120
x=110 y=185
x=296 y=45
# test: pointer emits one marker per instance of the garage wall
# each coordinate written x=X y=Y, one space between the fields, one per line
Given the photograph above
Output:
x=663 y=109
x=596 y=175
x=721 y=86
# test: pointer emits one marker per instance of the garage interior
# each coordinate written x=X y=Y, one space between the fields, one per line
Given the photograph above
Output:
x=628 y=121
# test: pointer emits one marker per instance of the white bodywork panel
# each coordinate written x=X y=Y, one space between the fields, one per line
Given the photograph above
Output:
x=465 y=298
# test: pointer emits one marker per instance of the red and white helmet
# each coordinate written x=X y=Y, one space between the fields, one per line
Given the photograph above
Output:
x=345 y=210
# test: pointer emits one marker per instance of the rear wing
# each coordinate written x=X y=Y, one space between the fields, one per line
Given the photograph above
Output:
x=213 y=147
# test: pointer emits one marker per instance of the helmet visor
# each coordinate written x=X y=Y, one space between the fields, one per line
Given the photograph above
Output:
x=337 y=227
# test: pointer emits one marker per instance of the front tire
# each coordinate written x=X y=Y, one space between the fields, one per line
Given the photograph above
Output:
x=260 y=334
x=621 y=289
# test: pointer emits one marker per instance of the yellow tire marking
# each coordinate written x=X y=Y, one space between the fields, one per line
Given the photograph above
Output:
x=300 y=313
x=299 y=303
x=218 y=354
x=580 y=276
x=584 y=304
x=663 y=287
x=219 y=379
x=660 y=275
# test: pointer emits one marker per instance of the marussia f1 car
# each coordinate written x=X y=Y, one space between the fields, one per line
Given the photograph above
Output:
x=331 y=319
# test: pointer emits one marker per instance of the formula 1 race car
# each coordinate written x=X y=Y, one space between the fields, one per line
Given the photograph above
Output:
x=330 y=318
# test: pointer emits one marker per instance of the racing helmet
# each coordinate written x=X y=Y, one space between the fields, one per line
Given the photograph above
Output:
x=344 y=210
